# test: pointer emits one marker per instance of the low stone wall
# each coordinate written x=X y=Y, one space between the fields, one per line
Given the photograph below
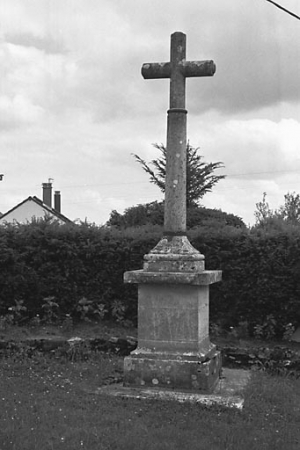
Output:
x=120 y=346
x=279 y=359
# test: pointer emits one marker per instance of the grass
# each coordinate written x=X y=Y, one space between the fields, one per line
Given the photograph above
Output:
x=48 y=403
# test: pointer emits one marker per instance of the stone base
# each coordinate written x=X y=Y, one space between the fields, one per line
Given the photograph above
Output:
x=174 y=254
x=177 y=372
x=228 y=392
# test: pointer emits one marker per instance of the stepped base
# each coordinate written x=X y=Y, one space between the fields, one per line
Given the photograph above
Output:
x=184 y=372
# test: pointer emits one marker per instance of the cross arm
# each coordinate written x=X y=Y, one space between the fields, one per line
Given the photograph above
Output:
x=156 y=70
x=198 y=68
x=187 y=68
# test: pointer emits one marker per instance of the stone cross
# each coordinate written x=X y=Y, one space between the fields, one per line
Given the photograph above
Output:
x=174 y=350
x=178 y=69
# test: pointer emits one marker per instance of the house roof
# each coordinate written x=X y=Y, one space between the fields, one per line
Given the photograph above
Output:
x=39 y=202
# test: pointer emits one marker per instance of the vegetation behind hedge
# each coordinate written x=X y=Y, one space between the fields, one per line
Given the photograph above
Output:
x=79 y=267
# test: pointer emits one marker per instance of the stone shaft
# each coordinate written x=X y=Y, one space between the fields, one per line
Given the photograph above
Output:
x=175 y=193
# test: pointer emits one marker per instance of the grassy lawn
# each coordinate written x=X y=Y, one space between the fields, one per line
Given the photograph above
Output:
x=49 y=404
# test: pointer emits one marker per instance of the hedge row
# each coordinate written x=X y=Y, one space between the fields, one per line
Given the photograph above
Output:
x=73 y=262
x=260 y=280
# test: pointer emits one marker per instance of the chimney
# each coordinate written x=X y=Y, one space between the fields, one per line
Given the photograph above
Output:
x=57 y=201
x=47 y=194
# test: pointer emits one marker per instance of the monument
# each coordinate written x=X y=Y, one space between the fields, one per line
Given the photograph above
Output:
x=174 y=350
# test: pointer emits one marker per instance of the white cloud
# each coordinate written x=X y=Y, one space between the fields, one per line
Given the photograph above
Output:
x=18 y=110
x=74 y=106
x=33 y=83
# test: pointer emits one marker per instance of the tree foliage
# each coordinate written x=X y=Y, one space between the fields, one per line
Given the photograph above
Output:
x=200 y=177
x=153 y=214
x=139 y=215
x=286 y=214
x=263 y=211
x=290 y=211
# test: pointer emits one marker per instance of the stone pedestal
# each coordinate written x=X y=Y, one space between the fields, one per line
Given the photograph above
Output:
x=174 y=350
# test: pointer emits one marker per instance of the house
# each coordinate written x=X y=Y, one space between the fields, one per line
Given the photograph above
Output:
x=33 y=208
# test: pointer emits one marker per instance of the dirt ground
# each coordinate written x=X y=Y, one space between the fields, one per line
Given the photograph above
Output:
x=84 y=330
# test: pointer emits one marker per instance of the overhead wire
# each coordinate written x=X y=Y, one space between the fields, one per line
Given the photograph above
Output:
x=228 y=175
x=284 y=9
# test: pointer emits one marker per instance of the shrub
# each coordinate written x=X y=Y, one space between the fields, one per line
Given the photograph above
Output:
x=80 y=268
x=153 y=214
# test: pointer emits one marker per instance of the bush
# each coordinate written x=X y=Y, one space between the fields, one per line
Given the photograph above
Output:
x=65 y=263
x=259 y=280
x=153 y=214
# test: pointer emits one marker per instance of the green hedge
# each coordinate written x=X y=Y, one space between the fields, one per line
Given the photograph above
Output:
x=68 y=263
x=260 y=276
x=72 y=262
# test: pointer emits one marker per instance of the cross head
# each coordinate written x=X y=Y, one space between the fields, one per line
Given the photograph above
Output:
x=178 y=69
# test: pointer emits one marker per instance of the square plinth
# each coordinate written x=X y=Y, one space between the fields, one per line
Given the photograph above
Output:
x=174 y=350
x=181 y=372
x=173 y=318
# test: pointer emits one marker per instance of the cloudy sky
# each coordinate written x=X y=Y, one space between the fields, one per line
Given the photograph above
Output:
x=74 y=106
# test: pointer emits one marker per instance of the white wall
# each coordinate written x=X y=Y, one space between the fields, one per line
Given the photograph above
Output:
x=25 y=212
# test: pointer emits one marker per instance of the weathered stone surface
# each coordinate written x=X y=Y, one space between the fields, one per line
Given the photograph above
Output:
x=174 y=254
x=201 y=279
x=173 y=318
x=174 y=350
x=228 y=392
x=173 y=336
x=170 y=372
x=176 y=245
x=175 y=191
x=188 y=68
x=178 y=69
x=223 y=397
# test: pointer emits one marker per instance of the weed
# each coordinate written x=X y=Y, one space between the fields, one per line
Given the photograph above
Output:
x=17 y=311
x=288 y=332
x=67 y=323
x=118 y=310
x=240 y=331
x=78 y=349
x=90 y=309
x=35 y=322
x=215 y=329
x=6 y=321
x=265 y=330
x=50 y=308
